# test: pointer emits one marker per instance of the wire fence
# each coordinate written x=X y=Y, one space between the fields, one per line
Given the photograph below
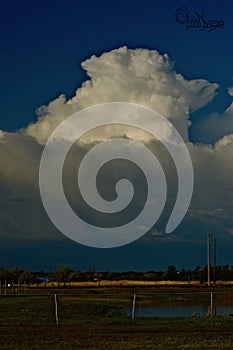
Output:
x=200 y=304
x=86 y=306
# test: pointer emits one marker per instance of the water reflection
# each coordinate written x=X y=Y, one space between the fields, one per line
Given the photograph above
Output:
x=180 y=311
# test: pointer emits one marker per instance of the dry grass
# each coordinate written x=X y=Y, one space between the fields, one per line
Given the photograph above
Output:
x=122 y=283
x=128 y=283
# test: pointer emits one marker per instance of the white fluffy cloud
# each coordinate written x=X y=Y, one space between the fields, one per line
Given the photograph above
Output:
x=144 y=77
x=215 y=126
x=140 y=76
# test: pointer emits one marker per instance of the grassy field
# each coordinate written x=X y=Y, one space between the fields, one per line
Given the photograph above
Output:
x=94 y=319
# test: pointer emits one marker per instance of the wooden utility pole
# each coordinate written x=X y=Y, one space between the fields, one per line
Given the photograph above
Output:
x=215 y=258
x=208 y=258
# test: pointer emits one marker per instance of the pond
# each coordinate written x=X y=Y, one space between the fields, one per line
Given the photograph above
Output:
x=180 y=311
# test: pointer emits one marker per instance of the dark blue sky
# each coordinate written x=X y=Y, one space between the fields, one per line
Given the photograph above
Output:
x=42 y=45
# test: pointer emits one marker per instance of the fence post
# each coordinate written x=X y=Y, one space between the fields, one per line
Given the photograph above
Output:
x=56 y=310
x=133 y=307
x=211 y=304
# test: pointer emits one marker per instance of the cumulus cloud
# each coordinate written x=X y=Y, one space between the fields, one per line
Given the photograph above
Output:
x=140 y=76
x=215 y=126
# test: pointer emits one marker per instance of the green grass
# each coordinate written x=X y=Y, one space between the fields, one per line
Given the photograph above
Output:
x=92 y=321
x=122 y=334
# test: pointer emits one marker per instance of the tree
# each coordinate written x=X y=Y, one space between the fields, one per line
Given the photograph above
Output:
x=171 y=274
x=91 y=274
x=76 y=276
x=28 y=278
x=62 y=274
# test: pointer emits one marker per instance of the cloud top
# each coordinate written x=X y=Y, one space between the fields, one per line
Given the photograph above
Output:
x=140 y=76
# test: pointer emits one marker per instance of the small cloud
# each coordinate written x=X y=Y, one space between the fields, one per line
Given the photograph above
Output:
x=217 y=212
x=230 y=91
x=155 y=232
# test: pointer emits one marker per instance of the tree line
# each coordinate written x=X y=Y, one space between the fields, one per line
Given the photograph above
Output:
x=64 y=273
